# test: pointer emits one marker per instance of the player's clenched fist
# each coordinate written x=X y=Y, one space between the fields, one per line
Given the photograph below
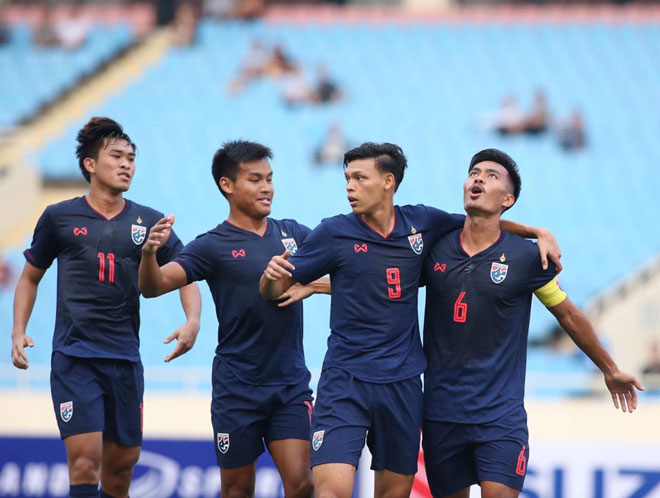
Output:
x=279 y=266
x=158 y=234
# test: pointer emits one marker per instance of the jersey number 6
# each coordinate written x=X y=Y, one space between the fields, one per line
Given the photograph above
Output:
x=460 y=309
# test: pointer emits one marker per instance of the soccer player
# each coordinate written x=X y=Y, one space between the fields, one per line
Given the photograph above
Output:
x=480 y=282
x=260 y=382
x=96 y=373
x=370 y=383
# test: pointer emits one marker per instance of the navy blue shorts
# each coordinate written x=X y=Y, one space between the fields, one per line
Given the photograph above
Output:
x=459 y=455
x=98 y=395
x=347 y=409
x=245 y=416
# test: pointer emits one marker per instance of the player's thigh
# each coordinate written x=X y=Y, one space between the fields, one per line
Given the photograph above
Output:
x=238 y=482
x=291 y=456
x=78 y=393
x=502 y=450
x=239 y=417
x=290 y=412
x=392 y=485
x=340 y=419
x=84 y=453
x=394 y=435
x=448 y=458
x=124 y=402
x=333 y=480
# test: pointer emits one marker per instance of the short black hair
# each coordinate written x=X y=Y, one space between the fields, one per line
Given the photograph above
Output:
x=389 y=159
x=504 y=160
x=228 y=158
x=91 y=137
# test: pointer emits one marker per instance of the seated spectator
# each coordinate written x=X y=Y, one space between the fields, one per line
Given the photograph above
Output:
x=5 y=33
x=571 y=134
x=537 y=120
x=333 y=146
x=45 y=34
x=72 y=31
x=184 y=26
x=326 y=89
x=279 y=63
x=296 y=90
x=508 y=119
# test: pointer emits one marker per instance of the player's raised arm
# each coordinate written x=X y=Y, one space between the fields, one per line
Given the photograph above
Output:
x=547 y=244
x=621 y=385
x=154 y=280
x=24 y=298
x=277 y=278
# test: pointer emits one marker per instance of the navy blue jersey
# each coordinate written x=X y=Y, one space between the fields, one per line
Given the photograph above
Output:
x=98 y=301
x=259 y=342
x=373 y=316
x=475 y=327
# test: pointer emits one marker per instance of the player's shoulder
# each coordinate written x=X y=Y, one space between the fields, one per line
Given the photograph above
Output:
x=67 y=206
x=338 y=223
x=421 y=211
x=523 y=247
x=286 y=224
x=145 y=212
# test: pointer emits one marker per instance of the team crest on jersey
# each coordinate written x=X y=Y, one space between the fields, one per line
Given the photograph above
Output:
x=138 y=233
x=317 y=440
x=66 y=411
x=416 y=243
x=498 y=272
x=223 y=442
x=290 y=244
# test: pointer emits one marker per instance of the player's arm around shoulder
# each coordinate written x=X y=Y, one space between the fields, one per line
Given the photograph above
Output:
x=621 y=385
x=24 y=298
x=546 y=242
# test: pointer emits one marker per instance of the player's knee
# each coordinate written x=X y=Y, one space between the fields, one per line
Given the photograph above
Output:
x=237 y=490
x=302 y=488
x=328 y=492
x=85 y=469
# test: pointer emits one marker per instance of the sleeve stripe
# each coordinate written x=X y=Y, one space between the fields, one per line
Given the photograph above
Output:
x=550 y=294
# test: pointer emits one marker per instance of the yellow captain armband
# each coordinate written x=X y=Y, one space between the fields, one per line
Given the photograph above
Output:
x=550 y=294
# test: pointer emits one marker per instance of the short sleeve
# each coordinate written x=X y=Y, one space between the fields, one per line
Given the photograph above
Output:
x=441 y=222
x=538 y=277
x=315 y=257
x=45 y=245
x=170 y=250
x=196 y=258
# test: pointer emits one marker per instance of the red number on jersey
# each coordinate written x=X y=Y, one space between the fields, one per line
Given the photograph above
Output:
x=111 y=267
x=393 y=278
x=460 y=309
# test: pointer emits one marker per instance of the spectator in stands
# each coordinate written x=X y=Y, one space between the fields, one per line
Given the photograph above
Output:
x=279 y=63
x=5 y=34
x=571 y=133
x=296 y=90
x=71 y=32
x=184 y=26
x=45 y=34
x=536 y=122
x=234 y=9
x=326 y=89
x=507 y=120
x=331 y=150
x=252 y=67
